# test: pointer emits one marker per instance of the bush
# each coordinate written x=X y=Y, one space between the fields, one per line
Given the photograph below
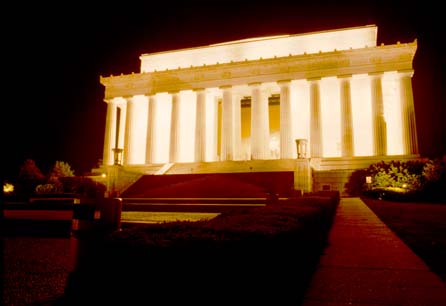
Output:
x=434 y=173
x=397 y=174
x=46 y=188
x=408 y=180
x=83 y=187
x=357 y=182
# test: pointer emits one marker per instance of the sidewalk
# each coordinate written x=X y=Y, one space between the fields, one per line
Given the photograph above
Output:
x=366 y=264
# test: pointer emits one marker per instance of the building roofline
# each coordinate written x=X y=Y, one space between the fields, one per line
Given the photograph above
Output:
x=260 y=38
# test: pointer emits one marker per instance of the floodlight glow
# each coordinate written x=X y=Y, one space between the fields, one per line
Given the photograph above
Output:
x=300 y=105
x=362 y=118
x=330 y=95
x=237 y=118
x=187 y=126
x=211 y=127
x=331 y=114
x=8 y=188
x=392 y=113
x=136 y=130
x=274 y=145
x=256 y=48
x=162 y=128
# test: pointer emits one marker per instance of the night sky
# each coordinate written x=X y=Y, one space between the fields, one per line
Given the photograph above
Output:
x=55 y=109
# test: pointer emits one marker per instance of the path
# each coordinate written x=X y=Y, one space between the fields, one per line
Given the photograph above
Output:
x=367 y=264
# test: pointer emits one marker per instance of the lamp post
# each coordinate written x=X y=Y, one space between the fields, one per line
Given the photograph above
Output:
x=368 y=181
x=118 y=156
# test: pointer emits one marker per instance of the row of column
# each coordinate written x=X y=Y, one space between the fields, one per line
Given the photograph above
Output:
x=231 y=122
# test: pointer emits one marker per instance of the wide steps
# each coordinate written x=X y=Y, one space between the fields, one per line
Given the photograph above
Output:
x=212 y=185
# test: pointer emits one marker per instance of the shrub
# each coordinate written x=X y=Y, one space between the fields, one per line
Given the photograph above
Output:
x=46 y=188
x=60 y=169
x=412 y=179
x=434 y=174
x=357 y=182
x=434 y=171
x=397 y=174
x=83 y=186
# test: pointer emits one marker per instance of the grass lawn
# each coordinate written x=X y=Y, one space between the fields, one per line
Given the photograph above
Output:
x=422 y=226
x=159 y=217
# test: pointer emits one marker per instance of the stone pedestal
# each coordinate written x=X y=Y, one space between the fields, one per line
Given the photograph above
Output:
x=113 y=181
x=302 y=175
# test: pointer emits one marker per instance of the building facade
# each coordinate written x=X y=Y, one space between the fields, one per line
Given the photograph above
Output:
x=332 y=99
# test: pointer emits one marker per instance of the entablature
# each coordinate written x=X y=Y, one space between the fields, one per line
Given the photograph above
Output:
x=293 y=67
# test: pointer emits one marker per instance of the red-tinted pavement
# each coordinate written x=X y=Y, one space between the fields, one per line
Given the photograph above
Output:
x=367 y=264
x=35 y=269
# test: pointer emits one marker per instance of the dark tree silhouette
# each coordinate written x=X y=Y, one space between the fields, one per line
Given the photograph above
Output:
x=29 y=177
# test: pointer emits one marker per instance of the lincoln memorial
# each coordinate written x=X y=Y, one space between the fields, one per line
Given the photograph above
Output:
x=321 y=104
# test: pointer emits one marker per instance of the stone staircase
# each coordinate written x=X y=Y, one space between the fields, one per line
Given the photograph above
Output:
x=212 y=185
x=233 y=166
x=314 y=174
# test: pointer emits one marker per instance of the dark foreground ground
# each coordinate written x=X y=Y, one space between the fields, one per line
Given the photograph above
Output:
x=38 y=267
x=35 y=269
x=422 y=226
x=37 y=264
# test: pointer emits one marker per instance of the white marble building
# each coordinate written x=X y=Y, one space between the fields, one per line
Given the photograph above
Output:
x=242 y=104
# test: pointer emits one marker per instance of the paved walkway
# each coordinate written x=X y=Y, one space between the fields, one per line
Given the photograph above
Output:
x=366 y=264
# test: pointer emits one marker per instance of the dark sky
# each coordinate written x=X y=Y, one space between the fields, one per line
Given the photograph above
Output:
x=55 y=109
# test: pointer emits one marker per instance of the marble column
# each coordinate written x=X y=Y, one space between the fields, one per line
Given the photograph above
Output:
x=227 y=122
x=213 y=145
x=237 y=122
x=315 y=120
x=378 y=120
x=128 y=132
x=110 y=134
x=259 y=123
x=286 y=128
x=347 y=148
x=151 y=130
x=410 y=142
x=200 y=126
x=174 y=148
x=135 y=130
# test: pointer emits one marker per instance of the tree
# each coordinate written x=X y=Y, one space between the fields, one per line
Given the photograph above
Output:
x=434 y=174
x=60 y=169
x=29 y=177
x=30 y=171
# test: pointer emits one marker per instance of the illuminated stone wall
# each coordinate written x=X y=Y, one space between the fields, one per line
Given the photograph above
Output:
x=251 y=99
